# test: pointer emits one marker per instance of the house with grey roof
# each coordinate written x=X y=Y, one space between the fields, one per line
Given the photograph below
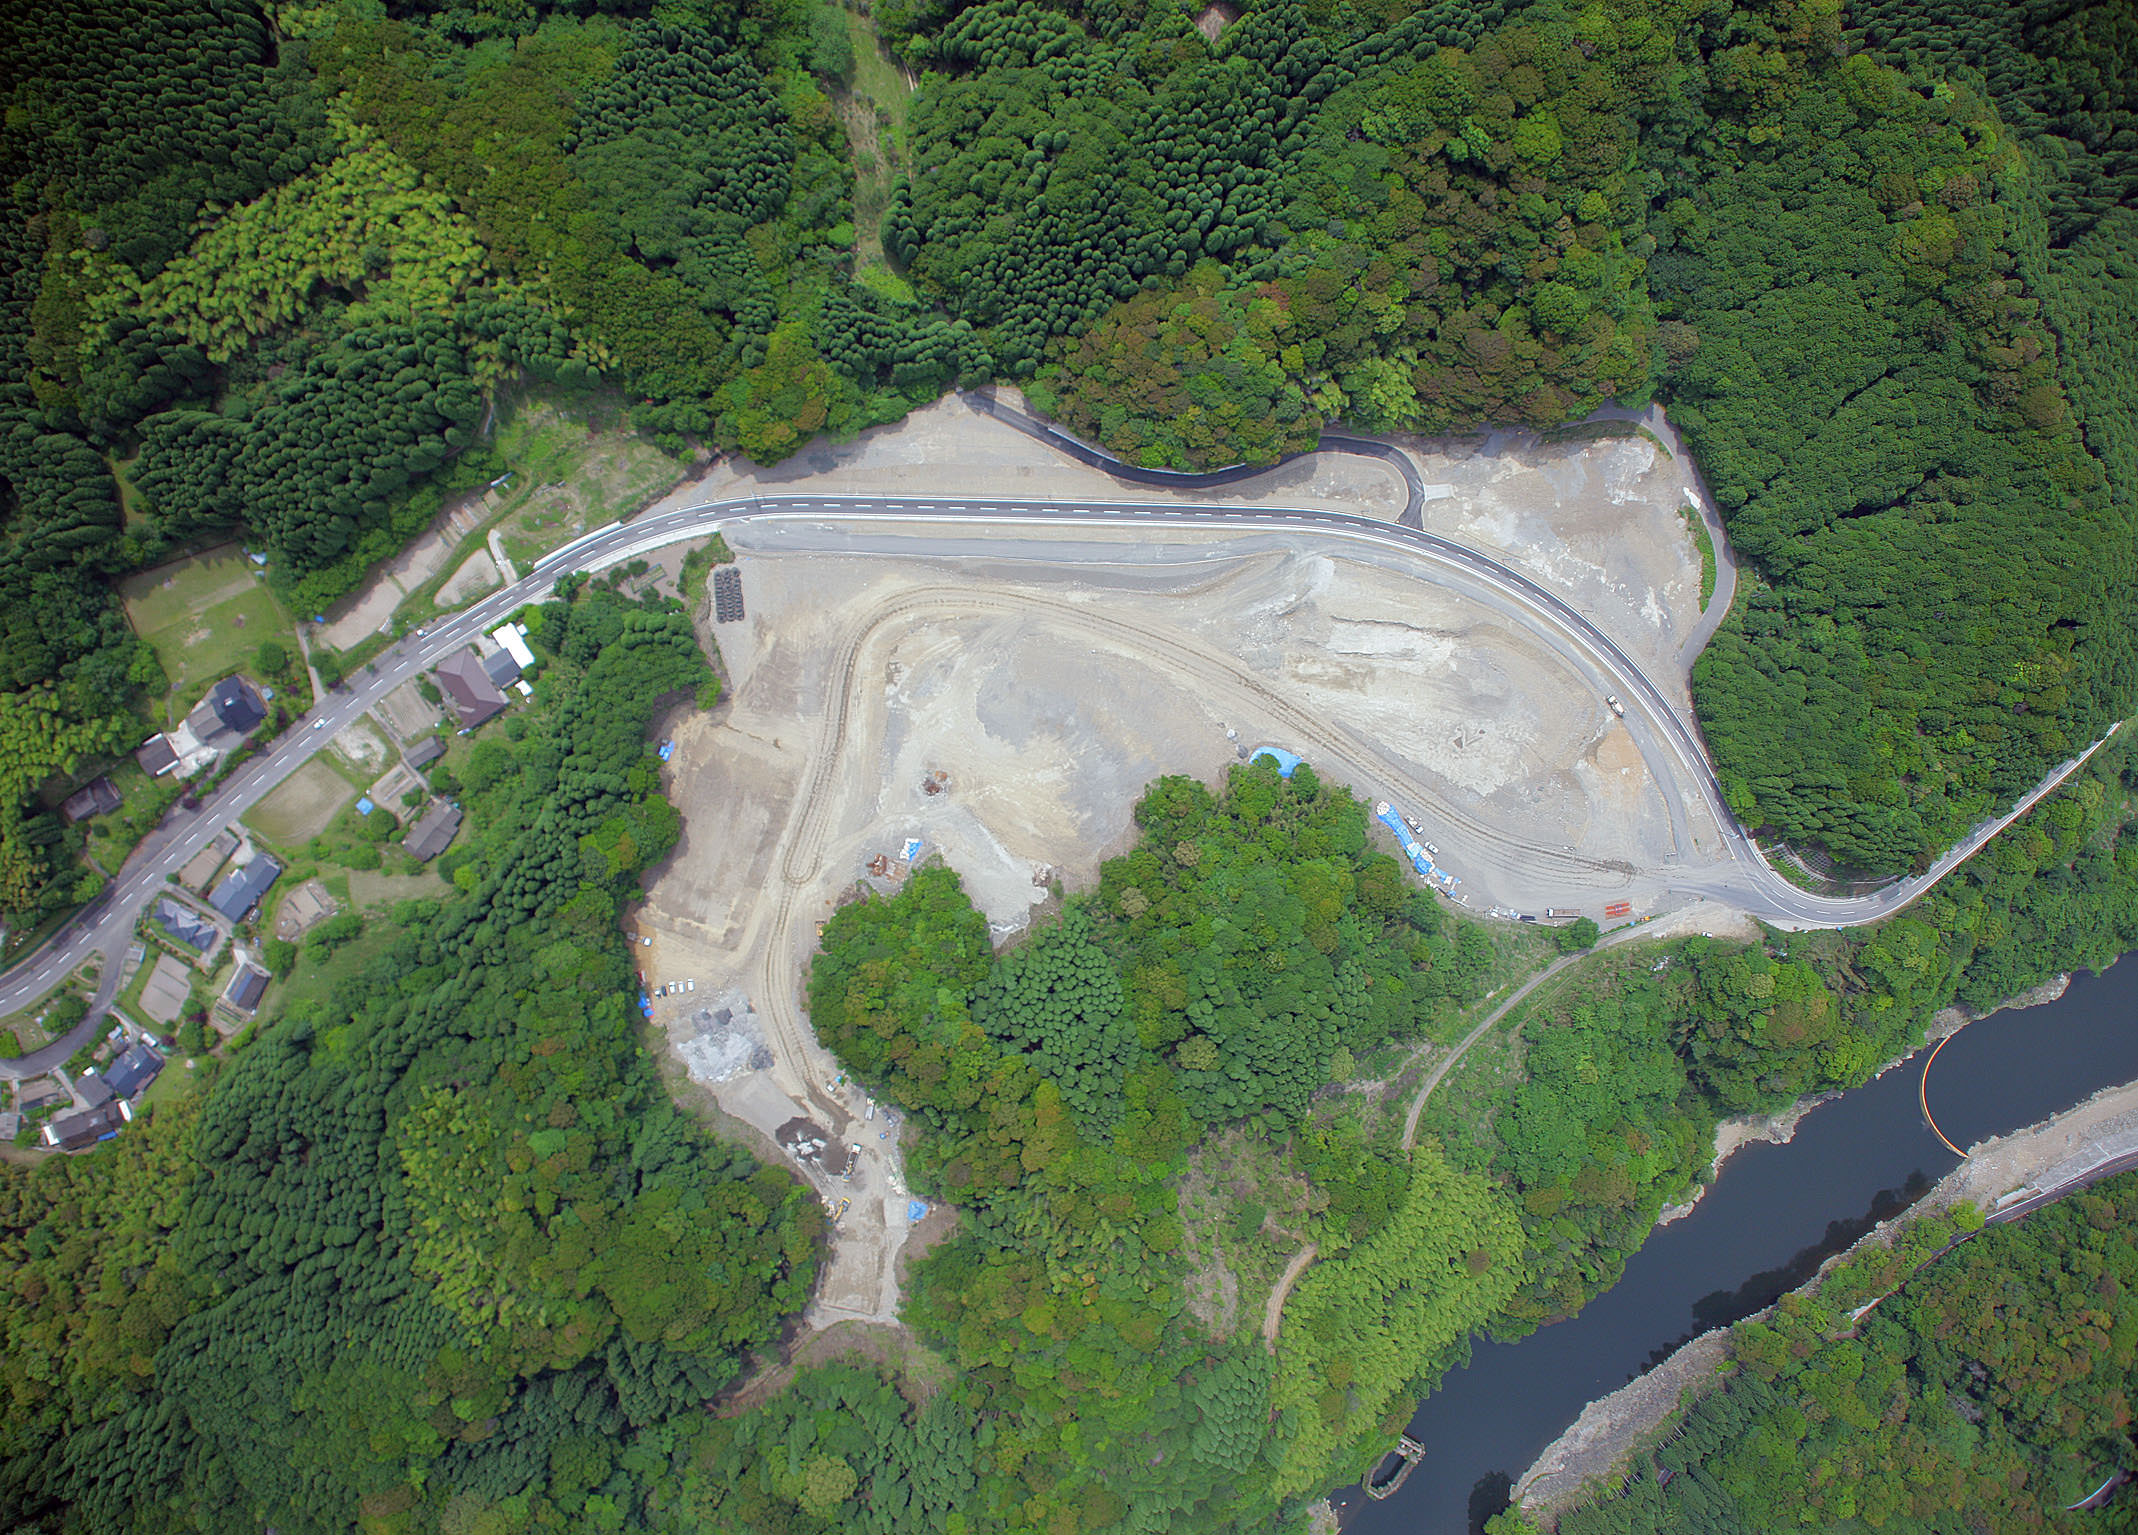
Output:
x=232 y=711
x=133 y=1071
x=242 y=889
x=73 y=1132
x=99 y=798
x=157 y=755
x=246 y=987
x=421 y=754
x=184 y=925
x=430 y=836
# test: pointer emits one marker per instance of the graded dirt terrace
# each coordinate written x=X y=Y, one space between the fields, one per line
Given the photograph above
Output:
x=1039 y=676
x=1048 y=692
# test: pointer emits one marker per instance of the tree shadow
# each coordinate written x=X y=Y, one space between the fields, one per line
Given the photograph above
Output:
x=1491 y=1496
x=1722 y=1307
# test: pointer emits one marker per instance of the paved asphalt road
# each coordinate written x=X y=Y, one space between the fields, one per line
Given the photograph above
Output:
x=1744 y=881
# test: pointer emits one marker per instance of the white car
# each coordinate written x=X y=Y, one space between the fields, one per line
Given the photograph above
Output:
x=319 y=724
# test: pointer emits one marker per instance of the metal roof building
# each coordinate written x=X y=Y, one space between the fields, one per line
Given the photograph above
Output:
x=237 y=894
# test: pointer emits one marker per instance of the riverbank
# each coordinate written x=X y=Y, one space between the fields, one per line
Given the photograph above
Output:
x=1780 y=1127
x=2005 y=1175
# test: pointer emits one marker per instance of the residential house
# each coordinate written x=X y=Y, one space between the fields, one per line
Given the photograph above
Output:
x=430 y=835
x=232 y=711
x=424 y=752
x=475 y=697
x=157 y=755
x=184 y=925
x=238 y=893
x=201 y=867
x=498 y=666
x=246 y=987
x=100 y=798
x=133 y=1071
x=72 y=1132
x=91 y=1091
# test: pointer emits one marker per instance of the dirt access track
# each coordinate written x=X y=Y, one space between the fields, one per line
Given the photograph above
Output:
x=1050 y=672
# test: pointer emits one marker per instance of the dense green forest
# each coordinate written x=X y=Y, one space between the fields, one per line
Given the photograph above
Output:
x=436 y=1251
x=1250 y=943
x=1989 y=1391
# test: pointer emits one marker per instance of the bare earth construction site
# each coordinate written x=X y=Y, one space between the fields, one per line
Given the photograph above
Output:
x=1001 y=694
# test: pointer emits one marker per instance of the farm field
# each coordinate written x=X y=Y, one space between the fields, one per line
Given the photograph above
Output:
x=303 y=806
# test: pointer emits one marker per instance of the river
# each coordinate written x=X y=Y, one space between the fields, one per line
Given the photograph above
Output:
x=1772 y=1217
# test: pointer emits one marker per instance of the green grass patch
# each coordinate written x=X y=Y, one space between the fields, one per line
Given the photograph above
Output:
x=131 y=502
x=205 y=618
x=1696 y=525
x=143 y=803
x=175 y=1084
x=572 y=470
x=872 y=105
x=314 y=979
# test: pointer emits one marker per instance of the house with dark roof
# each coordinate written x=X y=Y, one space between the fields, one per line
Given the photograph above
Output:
x=100 y=798
x=475 y=697
x=430 y=836
x=72 y=1132
x=92 y=1090
x=157 y=755
x=232 y=710
x=183 y=924
x=237 y=894
x=425 y=752
x=246 y=987
x=133 y=1071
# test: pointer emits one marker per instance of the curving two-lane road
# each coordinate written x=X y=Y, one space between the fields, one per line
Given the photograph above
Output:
x=1744 y=880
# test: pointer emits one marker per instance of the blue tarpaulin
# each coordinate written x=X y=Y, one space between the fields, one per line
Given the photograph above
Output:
x=1286 y=761
x=668 y=749
x=916 y=1210
x=364 y=806
x=1412 y=848
x=911 y=850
